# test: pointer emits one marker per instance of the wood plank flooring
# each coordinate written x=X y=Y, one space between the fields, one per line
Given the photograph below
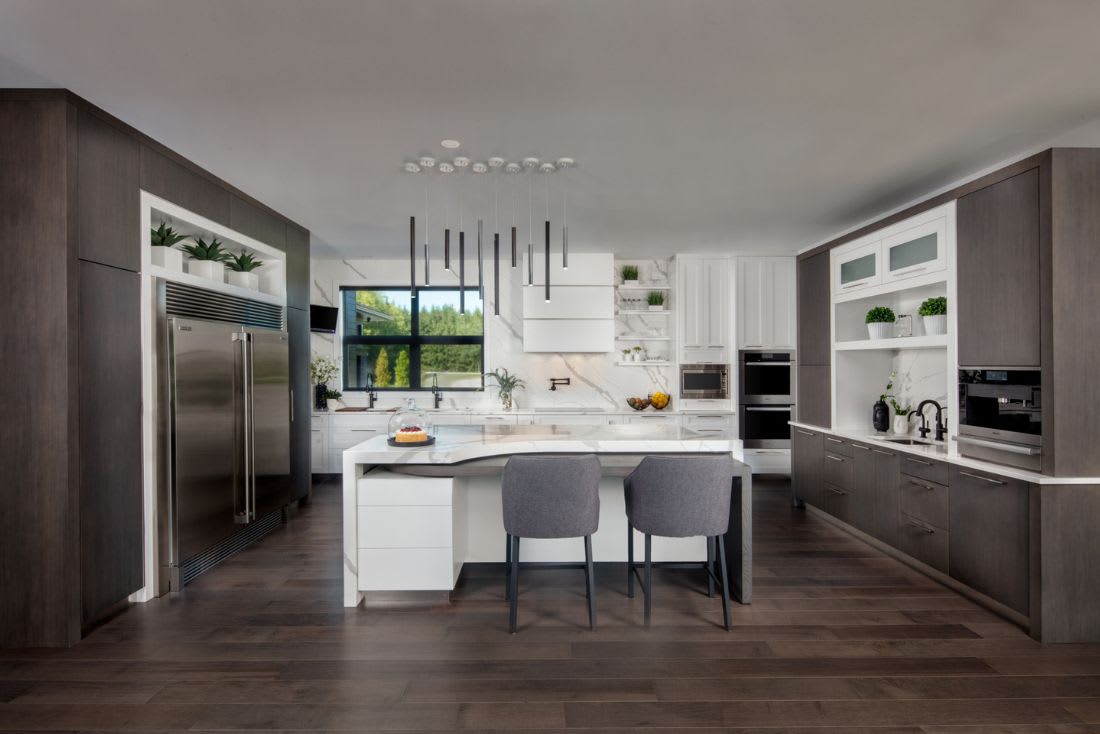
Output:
x=839 y=639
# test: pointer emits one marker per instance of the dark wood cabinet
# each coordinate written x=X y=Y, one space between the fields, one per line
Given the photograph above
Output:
x=300 y=435
x=989 y=539
x=110 y=465
x=807 y=457
x=863 y=489
x=998 y=250
x=108 y=217
x=814 y=331
x=256 y=222
x=297 y=267
x=884 y=500
x=814 y=399
x=171 y=180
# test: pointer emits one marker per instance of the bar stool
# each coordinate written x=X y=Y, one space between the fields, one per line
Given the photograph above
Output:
x=680 y=497
x=550 y=497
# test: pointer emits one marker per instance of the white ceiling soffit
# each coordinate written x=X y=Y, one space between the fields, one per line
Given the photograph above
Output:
x=709 y=125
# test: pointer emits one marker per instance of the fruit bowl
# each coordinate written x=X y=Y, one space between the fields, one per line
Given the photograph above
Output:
x=659 y=400
x=638 y=403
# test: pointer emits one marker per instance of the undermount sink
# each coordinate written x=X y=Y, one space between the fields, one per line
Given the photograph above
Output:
x=906 y=441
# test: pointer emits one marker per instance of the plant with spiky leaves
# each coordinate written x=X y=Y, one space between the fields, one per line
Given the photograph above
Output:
x=243 y=263
x=201 y=250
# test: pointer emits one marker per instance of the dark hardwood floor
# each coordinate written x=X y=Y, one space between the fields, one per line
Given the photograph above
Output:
x=839 y=636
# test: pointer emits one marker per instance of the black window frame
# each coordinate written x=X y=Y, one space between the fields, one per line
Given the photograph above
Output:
x=414 y=340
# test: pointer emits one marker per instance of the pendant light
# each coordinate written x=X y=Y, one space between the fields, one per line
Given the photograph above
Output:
x=530 y=237
x=546 y=230
x=461 y=256
x=496 y=248
x=427 y=251
x=412 y=256
x=480 y=265
x=564 y=163
x=513 y=168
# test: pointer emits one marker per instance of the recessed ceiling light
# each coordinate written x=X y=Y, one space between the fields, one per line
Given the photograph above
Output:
x=427 y=162
x=513 y=168
x=411 y=167
x=450 y=144
x=462 y=161
x=496 y=162
x=446 y=168
x=531 y=162
x=480 y=167
x=566 y=163
x=546 y=168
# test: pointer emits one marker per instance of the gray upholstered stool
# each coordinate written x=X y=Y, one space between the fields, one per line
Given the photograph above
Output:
x=680 y=497
x=550 y=497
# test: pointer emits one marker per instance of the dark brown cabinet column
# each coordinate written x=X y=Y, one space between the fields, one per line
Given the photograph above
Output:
x=814 y=395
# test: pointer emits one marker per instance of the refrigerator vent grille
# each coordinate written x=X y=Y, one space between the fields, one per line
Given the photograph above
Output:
x=185 y=300
x=231 y=546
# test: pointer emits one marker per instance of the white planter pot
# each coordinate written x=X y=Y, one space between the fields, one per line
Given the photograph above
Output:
x=656 y=308
x=880 y=331
x=901 y=424
x=934 y=325
x=168 y=258
x=332 y=405
x=244 y=280
x=211 y=269
x=630 y=282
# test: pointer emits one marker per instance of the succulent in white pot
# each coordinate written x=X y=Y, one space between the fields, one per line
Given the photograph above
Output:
x=207 y=260
x=165 y=254
x=630 y=275
x=241 y=270
x=934 y=314
x=656 y=301
x=332 y=399
x=880 y=322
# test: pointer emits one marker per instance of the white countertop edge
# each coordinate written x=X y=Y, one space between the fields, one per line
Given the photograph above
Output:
x=926 y=451
x=530 y=411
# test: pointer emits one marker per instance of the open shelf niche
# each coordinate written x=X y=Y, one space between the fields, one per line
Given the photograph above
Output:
x=635 y=324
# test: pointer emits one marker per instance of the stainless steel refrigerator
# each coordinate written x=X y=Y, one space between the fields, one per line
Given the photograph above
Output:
x=227 y=440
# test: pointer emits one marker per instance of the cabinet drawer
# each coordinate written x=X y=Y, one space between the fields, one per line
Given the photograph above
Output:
x=395 y=489
x=723 y=421
x=492 y=420
x=406 y=569
x=837 y=470
x=923 y=541
x=836 y=445
x=404 y=527
x=924 y=500
x=933 y=471
x=836 y=501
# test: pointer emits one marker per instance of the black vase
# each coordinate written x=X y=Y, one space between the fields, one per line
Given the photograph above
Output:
x=319 y=397
x=880 y=416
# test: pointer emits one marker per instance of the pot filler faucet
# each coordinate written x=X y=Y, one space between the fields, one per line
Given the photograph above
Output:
x=555 y=381
x=941 y=429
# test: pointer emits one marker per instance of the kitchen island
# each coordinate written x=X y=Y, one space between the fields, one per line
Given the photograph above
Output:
x=414 y=516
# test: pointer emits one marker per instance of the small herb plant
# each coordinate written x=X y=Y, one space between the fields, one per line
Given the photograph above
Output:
x=934 y=306
x=630 y=272
x=243 y=263
x=626 y=352
x=638 y=350
x=655 y=298
x=506 y=381
x=899 y=410
x=890 y=398
x=323 y=369
x=333 y=395
x=881 y=315
x=201 y=250
x=165 y=236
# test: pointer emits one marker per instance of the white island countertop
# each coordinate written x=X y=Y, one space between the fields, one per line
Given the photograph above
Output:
x=456 y=444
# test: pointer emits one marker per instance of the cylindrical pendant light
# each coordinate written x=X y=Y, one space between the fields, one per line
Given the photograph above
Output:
x=480 y=265
x=461 y=271
x=530 y=264
x=412 y=255
x=530 y=234
x=427 y=251
x=513 y=246
x=548 y=261
x=447 y=248
x=496 y=274
x=564 y=231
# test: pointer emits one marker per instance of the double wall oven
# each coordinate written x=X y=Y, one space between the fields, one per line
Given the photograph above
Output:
x=766 y=398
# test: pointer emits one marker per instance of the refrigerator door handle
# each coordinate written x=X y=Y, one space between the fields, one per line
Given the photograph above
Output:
x=242 y=470
x=251 y=435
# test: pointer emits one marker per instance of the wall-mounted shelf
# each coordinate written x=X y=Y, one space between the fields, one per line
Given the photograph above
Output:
x=644 y=287
x=663 y=363
x=904 y=342
x=212 y=285
x=628 y=338
x=642 y=312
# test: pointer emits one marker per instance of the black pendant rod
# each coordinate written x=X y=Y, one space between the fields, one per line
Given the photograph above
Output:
x=461 y=271
x=480 y=265
x=513 y=246
x=427 y=259
x=547 y=230
x=496 y=273
x=447 y=248
x=412 y=255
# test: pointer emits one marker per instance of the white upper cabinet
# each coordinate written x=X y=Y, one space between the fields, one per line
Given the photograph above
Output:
x=766 y=302
x=857 y=268
x=918 y=249
x=703 y=285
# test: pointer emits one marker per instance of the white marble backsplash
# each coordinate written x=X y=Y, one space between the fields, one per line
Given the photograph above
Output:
x=595 y=379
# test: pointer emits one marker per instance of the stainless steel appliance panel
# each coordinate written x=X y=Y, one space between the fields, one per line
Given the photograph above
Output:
x=1000 y=416
x=766 y=426
x=269 y=419
x=766 y=378
x=704 y=382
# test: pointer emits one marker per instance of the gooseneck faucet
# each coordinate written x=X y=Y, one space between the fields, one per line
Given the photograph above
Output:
x=372 y=396
x=941 y=429
x=437 y=394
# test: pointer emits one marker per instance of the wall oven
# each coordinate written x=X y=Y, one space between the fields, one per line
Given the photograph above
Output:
x=704 y=382
x=1001 y=416
x=767 y=378
x=766 y=426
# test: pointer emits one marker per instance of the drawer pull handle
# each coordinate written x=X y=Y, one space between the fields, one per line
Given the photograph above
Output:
x=830 y=457
x=859 y=446
x=834 y=490
x=884 y=453
x=920 y=526
x=806 y=433
x=998 y=482
x=364 y=430
x=927 y=487
x=920 y=461
x=834 y=440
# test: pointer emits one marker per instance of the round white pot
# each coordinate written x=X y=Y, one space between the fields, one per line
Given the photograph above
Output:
x=656 y=308
x=244 y=280
x=880 y=331
x=901 y=424
x=934 y=325
x=332 y=405
x=630 y=282
x=168 y=258
x=211 y=269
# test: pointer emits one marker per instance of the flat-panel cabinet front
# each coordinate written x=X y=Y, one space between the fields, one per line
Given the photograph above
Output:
x=807 y=459
x=766 y=302
x=858 y=268
x=704 y=309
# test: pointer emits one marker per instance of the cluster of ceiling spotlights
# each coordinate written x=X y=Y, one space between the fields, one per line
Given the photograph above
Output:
x=495 y=163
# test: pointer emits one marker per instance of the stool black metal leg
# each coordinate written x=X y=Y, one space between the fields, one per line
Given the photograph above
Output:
x=513 y=610
x=647 y=587
x=710 y=567
x=507 y=567
x=724 y=580
x=590 y=581
x=629 y=561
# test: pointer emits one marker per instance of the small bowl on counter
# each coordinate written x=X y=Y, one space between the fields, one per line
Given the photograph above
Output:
x=638 y=404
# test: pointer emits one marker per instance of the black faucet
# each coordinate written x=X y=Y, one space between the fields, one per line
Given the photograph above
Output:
x=437 y=394
x=555 y=381
x=372 y=396
x=941 y=429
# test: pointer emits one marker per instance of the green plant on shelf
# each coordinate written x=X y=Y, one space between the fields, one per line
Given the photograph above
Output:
x=333 y=395
x=201 y=250
x=898 y=409
x=881 y=315
x=655 y=298
x=626 y=353
x=936 y=306
x=165 y=236
x=630 y=272
x=243 y=263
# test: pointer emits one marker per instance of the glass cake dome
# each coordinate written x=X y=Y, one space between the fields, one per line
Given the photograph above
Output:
x=410 y=424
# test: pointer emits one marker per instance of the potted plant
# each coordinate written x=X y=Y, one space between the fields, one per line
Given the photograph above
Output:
x=207 y=259
x=656 y=301
x=638 y=354
x=164 y=253
x=321 y=370
x=626 y=354
x=240 y=270
x=901 y=417
x=934 y=314
x=630 y=274
x=332 y=399
x=507 y=383
x=880 y=322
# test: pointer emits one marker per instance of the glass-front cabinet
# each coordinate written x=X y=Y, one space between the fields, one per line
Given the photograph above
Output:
x=858 y=268
x=915 y=251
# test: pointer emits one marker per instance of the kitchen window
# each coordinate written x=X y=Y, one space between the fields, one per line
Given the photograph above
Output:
x=405 y=339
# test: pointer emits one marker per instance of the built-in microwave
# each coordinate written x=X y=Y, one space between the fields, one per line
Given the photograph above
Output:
x=767 y=378
x=704 y=382
x=1001 y=416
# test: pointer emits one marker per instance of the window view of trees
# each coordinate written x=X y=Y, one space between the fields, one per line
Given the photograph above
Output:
x=387 y=342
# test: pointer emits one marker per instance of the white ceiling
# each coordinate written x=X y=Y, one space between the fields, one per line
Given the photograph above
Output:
x=698 y=125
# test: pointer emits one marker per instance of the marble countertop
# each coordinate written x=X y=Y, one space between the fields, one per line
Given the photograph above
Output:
x=565 y=410
x=456 y=444
x=945 y=452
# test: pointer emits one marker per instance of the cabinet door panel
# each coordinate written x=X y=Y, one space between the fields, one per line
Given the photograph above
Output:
x=998 y=274
x=814 y=401
x=862 y=492
x=164 y=177
x=860 y=268
x=807 y=456
x=751 y=296
x=249 y=219
x=300 y=434
x=718 y=305
x=297 y=267
x=884 y=500
x=779 y=318
x=108 y=216
x=813 y=310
